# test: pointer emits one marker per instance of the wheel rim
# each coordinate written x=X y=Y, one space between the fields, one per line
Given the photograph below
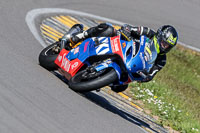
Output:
x=50 y=51
x=87 y=75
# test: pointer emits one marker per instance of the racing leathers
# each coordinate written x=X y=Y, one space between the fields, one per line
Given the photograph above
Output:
x=128 y=32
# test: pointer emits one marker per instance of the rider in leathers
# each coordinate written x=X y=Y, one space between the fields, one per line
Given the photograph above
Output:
x=165 y=38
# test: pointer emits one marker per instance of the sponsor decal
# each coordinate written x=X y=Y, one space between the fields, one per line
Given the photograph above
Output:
x=134 y=48
x=102 y=49
x=103 y=40
x=124 y=44
x=76 y=50
x=142 y=40
x=74 y=65
x=65 y=63
x=68 y=66
x=143 y=61
x=116 y=46
x=105 y=64
x=59 y=58
x=86 y=45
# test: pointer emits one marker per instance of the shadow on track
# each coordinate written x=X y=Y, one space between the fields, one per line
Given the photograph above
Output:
x=104 y=103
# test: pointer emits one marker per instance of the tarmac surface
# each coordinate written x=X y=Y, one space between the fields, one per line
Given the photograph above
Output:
x=33 y=100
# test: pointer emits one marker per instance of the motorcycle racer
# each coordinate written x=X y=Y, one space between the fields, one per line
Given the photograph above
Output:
x=164 y=39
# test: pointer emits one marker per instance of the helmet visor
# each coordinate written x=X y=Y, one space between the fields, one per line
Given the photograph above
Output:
x=165 y=46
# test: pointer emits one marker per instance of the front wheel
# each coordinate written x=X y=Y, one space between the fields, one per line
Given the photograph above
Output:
x=85 y=81
x=48 y=55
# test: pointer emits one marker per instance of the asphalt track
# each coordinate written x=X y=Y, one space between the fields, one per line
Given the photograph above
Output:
x=34 y=100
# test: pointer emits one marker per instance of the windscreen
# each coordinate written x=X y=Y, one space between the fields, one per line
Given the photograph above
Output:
x=150 y=53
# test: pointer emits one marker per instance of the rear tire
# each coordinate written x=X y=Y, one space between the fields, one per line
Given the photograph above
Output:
x=48 y=56
x=108 y=77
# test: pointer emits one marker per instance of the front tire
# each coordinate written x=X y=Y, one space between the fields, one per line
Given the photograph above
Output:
x=77 y=83
x=48 y=56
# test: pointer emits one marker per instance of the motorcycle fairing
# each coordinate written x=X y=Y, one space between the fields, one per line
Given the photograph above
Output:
x=133 y=58
x=138 y=61
x=71 y=61
x=64 y=62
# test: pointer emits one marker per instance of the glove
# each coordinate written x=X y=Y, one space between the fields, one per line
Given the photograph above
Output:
x=146 y=76
x=126 y=31
x=147 y=79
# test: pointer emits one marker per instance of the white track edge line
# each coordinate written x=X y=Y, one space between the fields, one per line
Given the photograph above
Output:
x=32 y=14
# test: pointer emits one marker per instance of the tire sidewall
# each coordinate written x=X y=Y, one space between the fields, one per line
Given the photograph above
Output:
x=47 y=61
x=94 y=84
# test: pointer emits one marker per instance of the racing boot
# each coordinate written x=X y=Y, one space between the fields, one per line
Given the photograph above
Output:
x=103 y=29
x=77 y=37
x=70 y=38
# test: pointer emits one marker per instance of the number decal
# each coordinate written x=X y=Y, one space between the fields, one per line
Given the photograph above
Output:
x=103 y=48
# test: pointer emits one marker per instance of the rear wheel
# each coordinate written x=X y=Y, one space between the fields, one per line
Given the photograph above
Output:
x=88 y=80
x=48 y=55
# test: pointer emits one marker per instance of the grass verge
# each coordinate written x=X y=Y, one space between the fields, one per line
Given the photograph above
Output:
x=174 y=93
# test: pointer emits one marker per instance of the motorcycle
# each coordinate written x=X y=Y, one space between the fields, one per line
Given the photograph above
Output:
x=101 y=61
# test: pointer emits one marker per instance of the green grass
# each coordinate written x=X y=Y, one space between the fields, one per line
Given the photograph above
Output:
x=174 y=93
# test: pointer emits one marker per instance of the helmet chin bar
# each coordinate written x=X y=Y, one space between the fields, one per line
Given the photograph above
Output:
x=162 y=49
x=165 y=50
x=164 y=44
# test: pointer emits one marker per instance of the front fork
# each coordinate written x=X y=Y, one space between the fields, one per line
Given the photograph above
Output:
x=109 y=64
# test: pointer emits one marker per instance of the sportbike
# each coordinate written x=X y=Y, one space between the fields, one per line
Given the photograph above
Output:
x=101 y=61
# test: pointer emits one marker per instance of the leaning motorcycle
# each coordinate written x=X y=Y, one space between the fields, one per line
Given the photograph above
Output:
x=101 y=61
